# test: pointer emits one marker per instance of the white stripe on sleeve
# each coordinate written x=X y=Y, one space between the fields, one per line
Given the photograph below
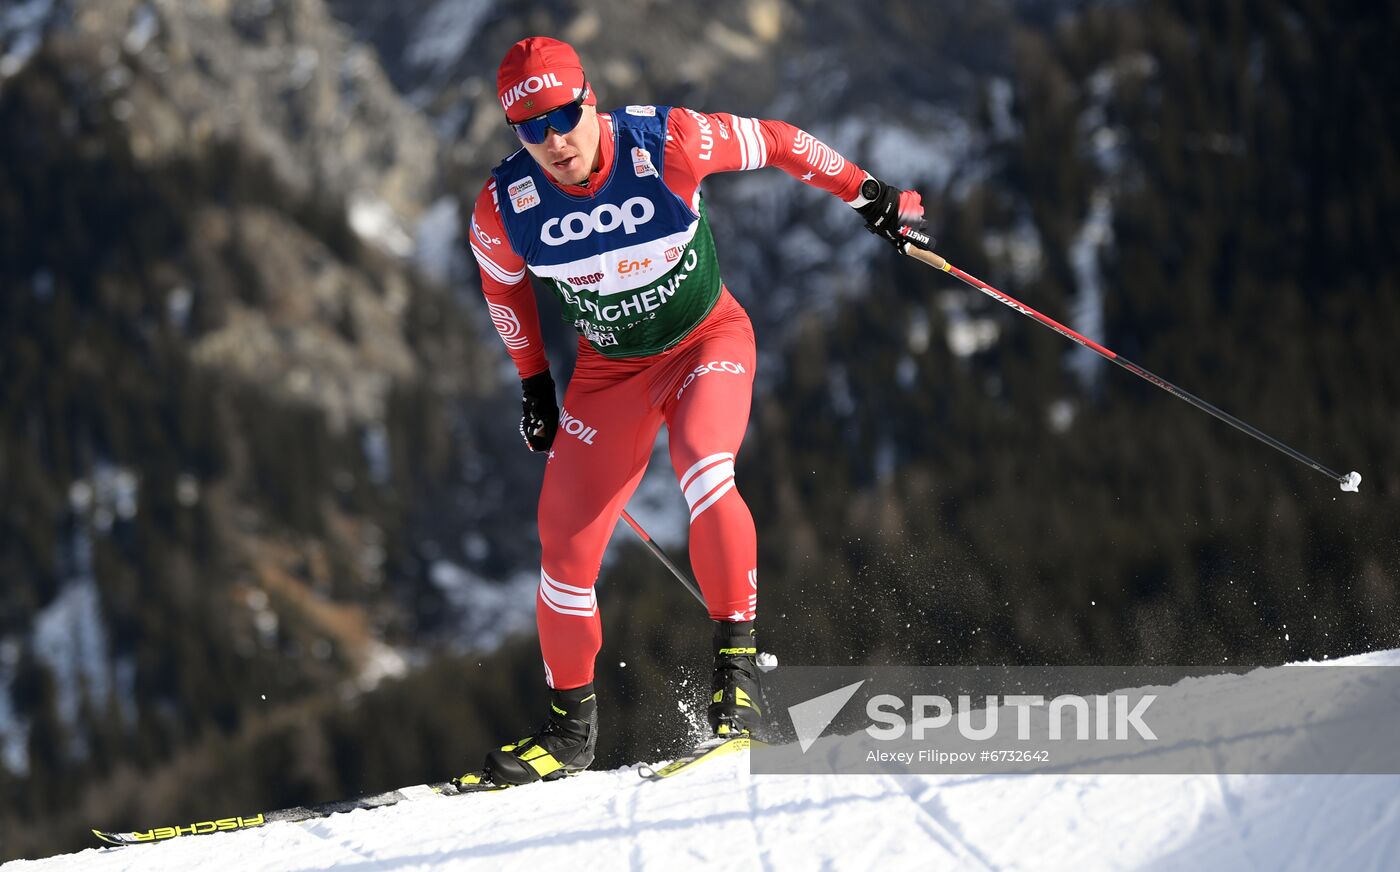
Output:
x=755 y=150
x=494 y=269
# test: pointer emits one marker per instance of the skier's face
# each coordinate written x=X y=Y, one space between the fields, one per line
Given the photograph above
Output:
x=569 y=157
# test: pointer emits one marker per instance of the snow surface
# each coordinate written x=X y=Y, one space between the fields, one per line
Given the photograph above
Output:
x=721 y=816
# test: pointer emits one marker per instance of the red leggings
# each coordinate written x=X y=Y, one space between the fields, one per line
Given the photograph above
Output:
x=613 y=409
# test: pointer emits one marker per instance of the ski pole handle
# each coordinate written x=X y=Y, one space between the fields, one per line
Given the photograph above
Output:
x=919 y=245
x=932 y=259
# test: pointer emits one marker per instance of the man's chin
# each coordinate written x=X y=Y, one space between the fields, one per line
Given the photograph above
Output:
x=568 y=177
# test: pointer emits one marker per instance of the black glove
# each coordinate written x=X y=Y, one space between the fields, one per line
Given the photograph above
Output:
x=888 y=208
x=539 y=411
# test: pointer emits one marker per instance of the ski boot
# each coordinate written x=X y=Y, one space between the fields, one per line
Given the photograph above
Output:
x=736 y=697
x=562 y=746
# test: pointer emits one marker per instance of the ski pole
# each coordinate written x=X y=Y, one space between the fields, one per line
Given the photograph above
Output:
x=765 y=660
x=920 y=247
x=681 y=576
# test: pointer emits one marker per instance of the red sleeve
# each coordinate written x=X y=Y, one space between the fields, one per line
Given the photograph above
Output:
x=699 y=144
x=509 y=296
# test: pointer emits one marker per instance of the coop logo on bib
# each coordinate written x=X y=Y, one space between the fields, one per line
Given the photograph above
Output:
x=605 y=218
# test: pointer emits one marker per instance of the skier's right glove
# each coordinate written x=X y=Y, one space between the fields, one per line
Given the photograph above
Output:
x=539 y=411
x=885 y=209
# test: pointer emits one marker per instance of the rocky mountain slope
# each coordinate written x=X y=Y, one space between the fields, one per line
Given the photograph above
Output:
x=257 y=448
x=236 y=417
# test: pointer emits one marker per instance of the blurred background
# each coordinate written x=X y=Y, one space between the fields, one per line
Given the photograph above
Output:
x=266 y=526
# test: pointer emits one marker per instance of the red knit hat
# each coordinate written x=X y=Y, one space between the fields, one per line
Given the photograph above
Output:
x=537 y=75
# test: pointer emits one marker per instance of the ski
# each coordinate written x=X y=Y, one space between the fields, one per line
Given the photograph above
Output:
x=302 y=813
x=473 y=783
x=706 y=750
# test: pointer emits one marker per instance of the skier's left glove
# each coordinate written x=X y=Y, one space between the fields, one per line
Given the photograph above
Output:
x=885 y=209
x=539 y=411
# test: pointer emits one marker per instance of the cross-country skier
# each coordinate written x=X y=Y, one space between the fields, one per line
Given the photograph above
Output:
x=605 y=208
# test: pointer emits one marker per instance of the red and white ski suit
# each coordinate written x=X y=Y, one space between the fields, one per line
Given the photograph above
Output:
x=613 y=408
